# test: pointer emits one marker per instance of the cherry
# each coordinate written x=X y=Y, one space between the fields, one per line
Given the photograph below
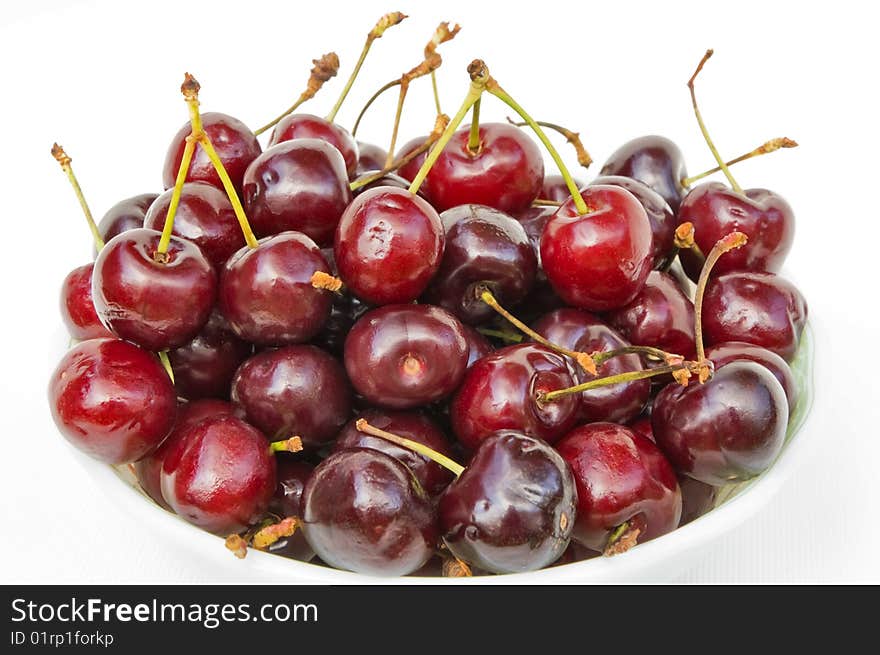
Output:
x=370 y=158
x=697 y=498
x=308 y=126
x=600 y=260
x=661 y=315
x=660 y=216
x=364 y=511
x=513 y=508
x=410 y=425
x=410 y=169
x=266 y=292
x=485 y=248
x=293 y=473
x=759 y=308
x=642 y=426
x=731 y=351
x=388 y=179
x=622 y=478
x=234 y=142
x=478 y=345
x=403 y=356
x=653 y=160
x=156 y=299
x=204 y=216
x=297 y=185
x=505 y=171
x=112 y=400
x=296 y=390
x=389 y=244
x=125 y=215
x=203 y=368
x=500 y=392
x=583 y=332
x=555 y=188
x=729 y=429
x=77 y=308
x=219 y=474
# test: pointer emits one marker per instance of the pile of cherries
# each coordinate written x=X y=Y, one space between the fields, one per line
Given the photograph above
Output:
x=438 y=360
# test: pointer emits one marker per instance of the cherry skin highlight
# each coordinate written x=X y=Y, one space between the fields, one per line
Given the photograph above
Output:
x=293 y=473
x=77 y=308
x=308 y=126
x=731 y=351
x=112 y=400
x=370 y=158
x=125 y=215
x=653 y=160
x=555 y=188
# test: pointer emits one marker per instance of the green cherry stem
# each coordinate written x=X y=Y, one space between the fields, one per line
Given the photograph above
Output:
x=166 y=364
x=629 y=376
x=444 y=461
x=765 y=148
x=291 y=445
x=373 y=98
x=474 y=138
x=603 y=356
x=64 y=160
x=574 y=138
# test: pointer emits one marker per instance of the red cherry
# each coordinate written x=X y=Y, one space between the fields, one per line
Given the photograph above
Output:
x=78 y=309
x=555 y=188
x=653 y=160
x=308 y=126
x=370 y=158
x=125 y=215
x=731 y=351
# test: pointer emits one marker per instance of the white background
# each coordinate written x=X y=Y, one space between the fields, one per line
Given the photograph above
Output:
x=102 y=78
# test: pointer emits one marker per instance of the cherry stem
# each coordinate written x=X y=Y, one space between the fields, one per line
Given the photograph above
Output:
x=324 y=69
x=583 y=359
x=770 y=146
x=543 y=202
x=436 y=92
x=602 y=356
x=724 y=244
x=495 y=89
x=622 y=538
x=166 y=364
x=238 y=545
x=64 y=159
x=185 y=161
x=269 y=534
x=456 y=568
x=574 y=138
x=507 y=337
x=628 y=376
x=444 y=461
x=404 y=89
x=683 y=239
x=322 y=280
x=372 y=99
x=733 y=183
x=474 y=138
x=291 y=445
x=388 y=20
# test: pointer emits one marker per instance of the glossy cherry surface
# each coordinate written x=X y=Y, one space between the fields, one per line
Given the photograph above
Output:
x=660 y=215
x=219 y=474
x=370 y=158
x=156 y=301
x=653 y=160
x=125 y=215
x=598 y=261
x=505 y=172
x=555 y=188
x=731 y=351
x=389 y=179
x=484 y=248
x=293 y=473
x=234 y=142
x=478 y=345
x=364 y=511
x=204 y=216
x=409 y=425
x=717 y=210
x=297 y=185
x=621 y=477
x=112 y=400
x=77 y=308
x=203 y=367
x=513 y=508
x=409 y=170
x=500 y=392
x=402 y=356
x=729 y=429
x=266 y=292
x=308 y=126
x=661 y=315
x=388 y=246
x=759 y=308
x=697 y=498
x=296 y=390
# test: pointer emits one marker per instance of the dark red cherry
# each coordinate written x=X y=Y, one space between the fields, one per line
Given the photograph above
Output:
x=583 y=332
x=364 y=511
x=389 y=179
x=157 y=301
x=505 y=172
x=409 y=170
x=598 y=261
x=204 y=216
x=389 y=244
x=112 y=400
x=266 y=292
x=296 y=390
x=478 y=345
x=661 y=315
x=148 y=469
x=203 y=368
x=409 y=425
x=308 y=126
x=234 y=142
x=485 y=248
x=297 y=185
x=717 y=210
x=660 y=215
x=219 y=474
x=513 y=508
x=759 y=308
x=555 y=188
x=293 y=473
x=697 y=498
x=403 y=356
x=653 y=160
x=78 y=309
x=370 y=158
x=621 y=477
x=731 y=351
x=728 y=429
x=642 y=426
x=501 y=390
x=125 y=215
